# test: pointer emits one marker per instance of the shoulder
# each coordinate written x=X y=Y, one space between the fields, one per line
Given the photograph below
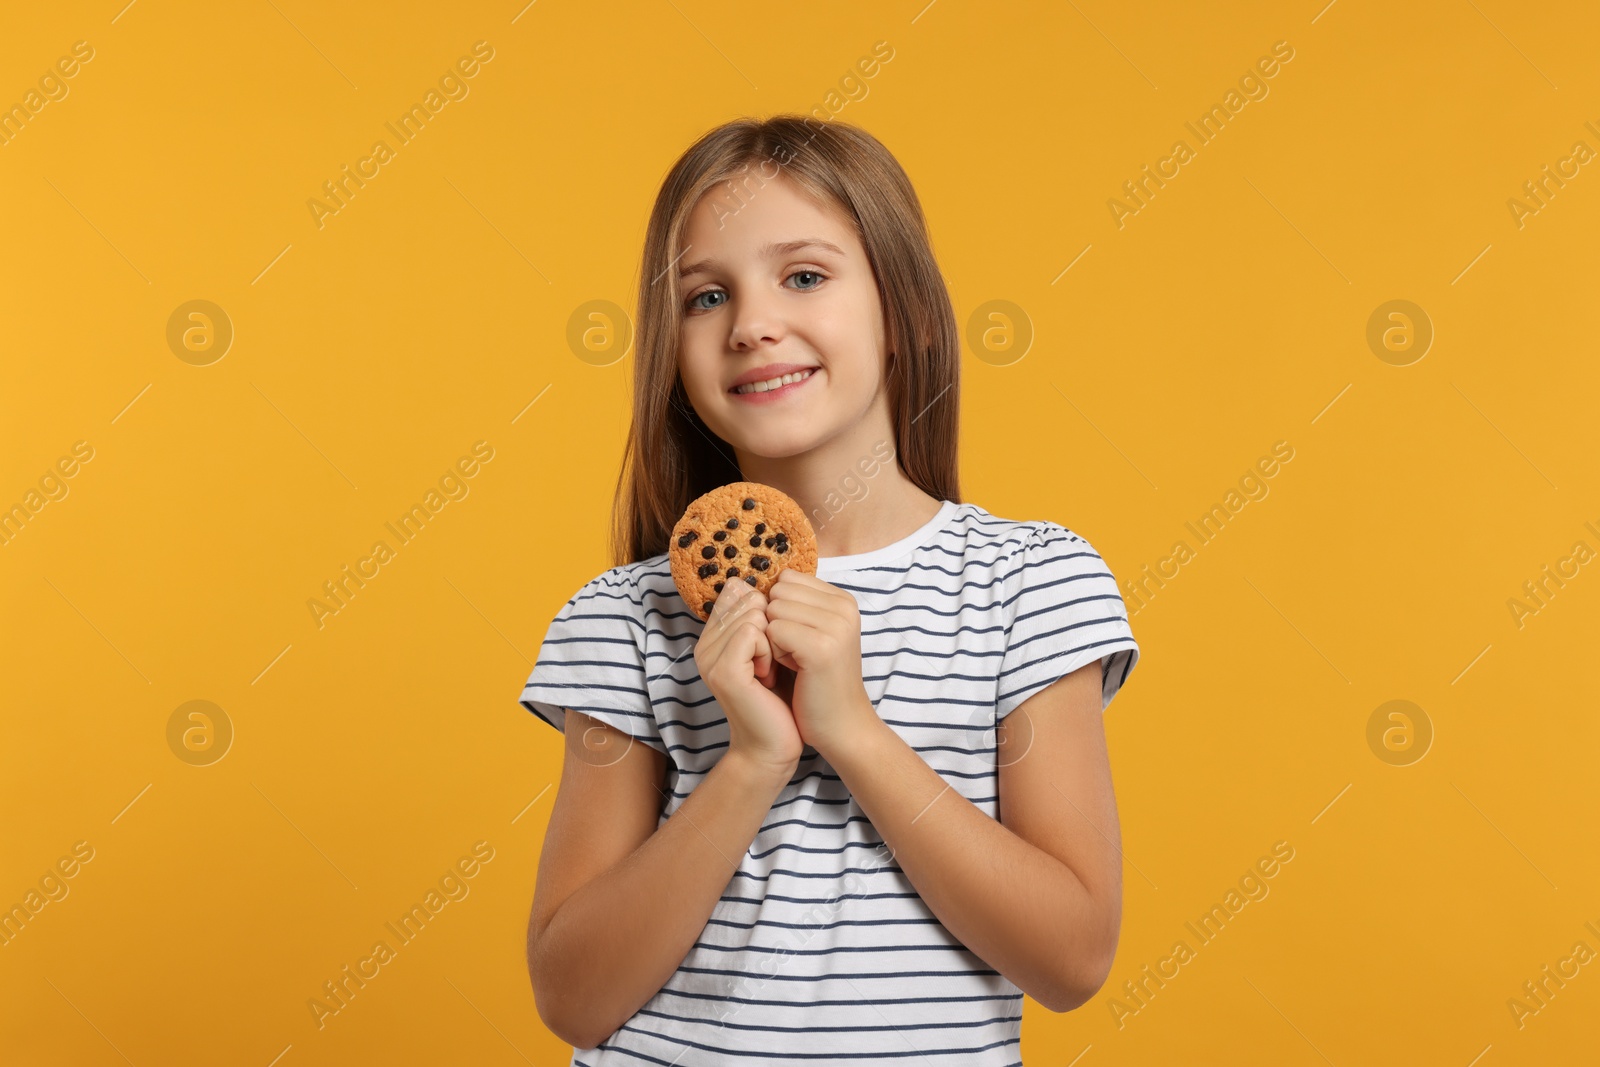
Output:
x=642 y=592
x=618 y=587
x=1019 y=541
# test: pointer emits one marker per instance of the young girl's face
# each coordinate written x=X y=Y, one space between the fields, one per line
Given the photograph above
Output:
x=777 y=279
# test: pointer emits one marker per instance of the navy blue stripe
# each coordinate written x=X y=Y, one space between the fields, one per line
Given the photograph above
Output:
x=788 y=1054
x=719 y=997
x=822 y=926
x=877 y=1029
x=898 y=975
x=890 y=868
x=943 y=946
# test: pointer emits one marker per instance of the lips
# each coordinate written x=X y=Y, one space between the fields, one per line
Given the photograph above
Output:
x=773 y=396
x=768 y=372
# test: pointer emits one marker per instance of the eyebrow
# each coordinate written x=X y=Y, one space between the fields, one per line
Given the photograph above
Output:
x=772 y=248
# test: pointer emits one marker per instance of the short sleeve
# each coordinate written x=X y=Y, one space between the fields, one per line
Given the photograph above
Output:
x=592 y=660
x=1062 y=610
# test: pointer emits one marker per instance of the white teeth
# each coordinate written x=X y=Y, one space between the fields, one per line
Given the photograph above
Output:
x=773 y=383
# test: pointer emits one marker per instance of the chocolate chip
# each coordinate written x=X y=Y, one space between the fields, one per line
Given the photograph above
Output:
x=707 y=552
x=707 y=606
x=730 y=552
x=770 y=541
x=749 y=503
x=733 y=572
x=683 y=542
x=751 y=579
x=720 y=535
x=783 y=546
x=755 y=542
x=761 y=527
x=760 y=563
x=733 y=524
x=707 y=569
x=718 y=587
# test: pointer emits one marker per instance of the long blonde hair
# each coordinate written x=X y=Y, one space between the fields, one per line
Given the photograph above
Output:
x=671 y=457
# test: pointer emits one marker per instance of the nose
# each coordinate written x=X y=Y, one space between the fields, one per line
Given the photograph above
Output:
x=755 y=320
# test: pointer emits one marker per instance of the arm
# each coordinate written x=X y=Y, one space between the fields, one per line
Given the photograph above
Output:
x=1037 y=895
x=619 y=903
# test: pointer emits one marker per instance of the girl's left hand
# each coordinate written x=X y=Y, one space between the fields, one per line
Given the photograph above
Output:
x=815 y=630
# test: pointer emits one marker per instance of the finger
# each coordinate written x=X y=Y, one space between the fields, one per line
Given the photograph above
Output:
x=730 y=603
x=804 y=591
x=818 y=616
x=780 y=654
x=766 y=669
x=746 y=613
x=724 y=613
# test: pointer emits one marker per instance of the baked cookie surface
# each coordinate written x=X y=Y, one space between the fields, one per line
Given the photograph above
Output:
x=742 y=531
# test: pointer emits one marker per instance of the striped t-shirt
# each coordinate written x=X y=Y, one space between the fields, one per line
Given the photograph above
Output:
x=820 y=950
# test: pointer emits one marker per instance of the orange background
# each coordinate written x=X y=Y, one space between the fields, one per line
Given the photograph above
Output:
x=371 y=751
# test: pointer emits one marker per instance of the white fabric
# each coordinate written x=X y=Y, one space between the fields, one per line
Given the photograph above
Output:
x=820 y=950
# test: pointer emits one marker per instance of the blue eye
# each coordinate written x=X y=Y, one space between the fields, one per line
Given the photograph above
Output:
x=693 y=302
x=708 y=292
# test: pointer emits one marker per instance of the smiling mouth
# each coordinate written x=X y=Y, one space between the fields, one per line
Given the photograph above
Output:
x=773 y=385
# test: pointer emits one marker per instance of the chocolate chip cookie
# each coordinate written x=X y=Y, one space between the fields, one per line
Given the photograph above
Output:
x=742 y=531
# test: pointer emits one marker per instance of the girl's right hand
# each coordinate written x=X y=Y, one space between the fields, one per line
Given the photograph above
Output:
x=736 y=664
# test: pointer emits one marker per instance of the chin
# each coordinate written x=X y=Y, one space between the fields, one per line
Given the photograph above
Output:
x=779 y=445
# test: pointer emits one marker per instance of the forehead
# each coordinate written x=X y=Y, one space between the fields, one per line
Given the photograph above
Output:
x=753 y=221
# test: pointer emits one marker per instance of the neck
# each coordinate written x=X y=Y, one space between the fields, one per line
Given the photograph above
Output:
x=855 y=493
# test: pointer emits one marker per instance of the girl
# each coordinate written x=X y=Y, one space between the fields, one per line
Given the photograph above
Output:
x=811 y=829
